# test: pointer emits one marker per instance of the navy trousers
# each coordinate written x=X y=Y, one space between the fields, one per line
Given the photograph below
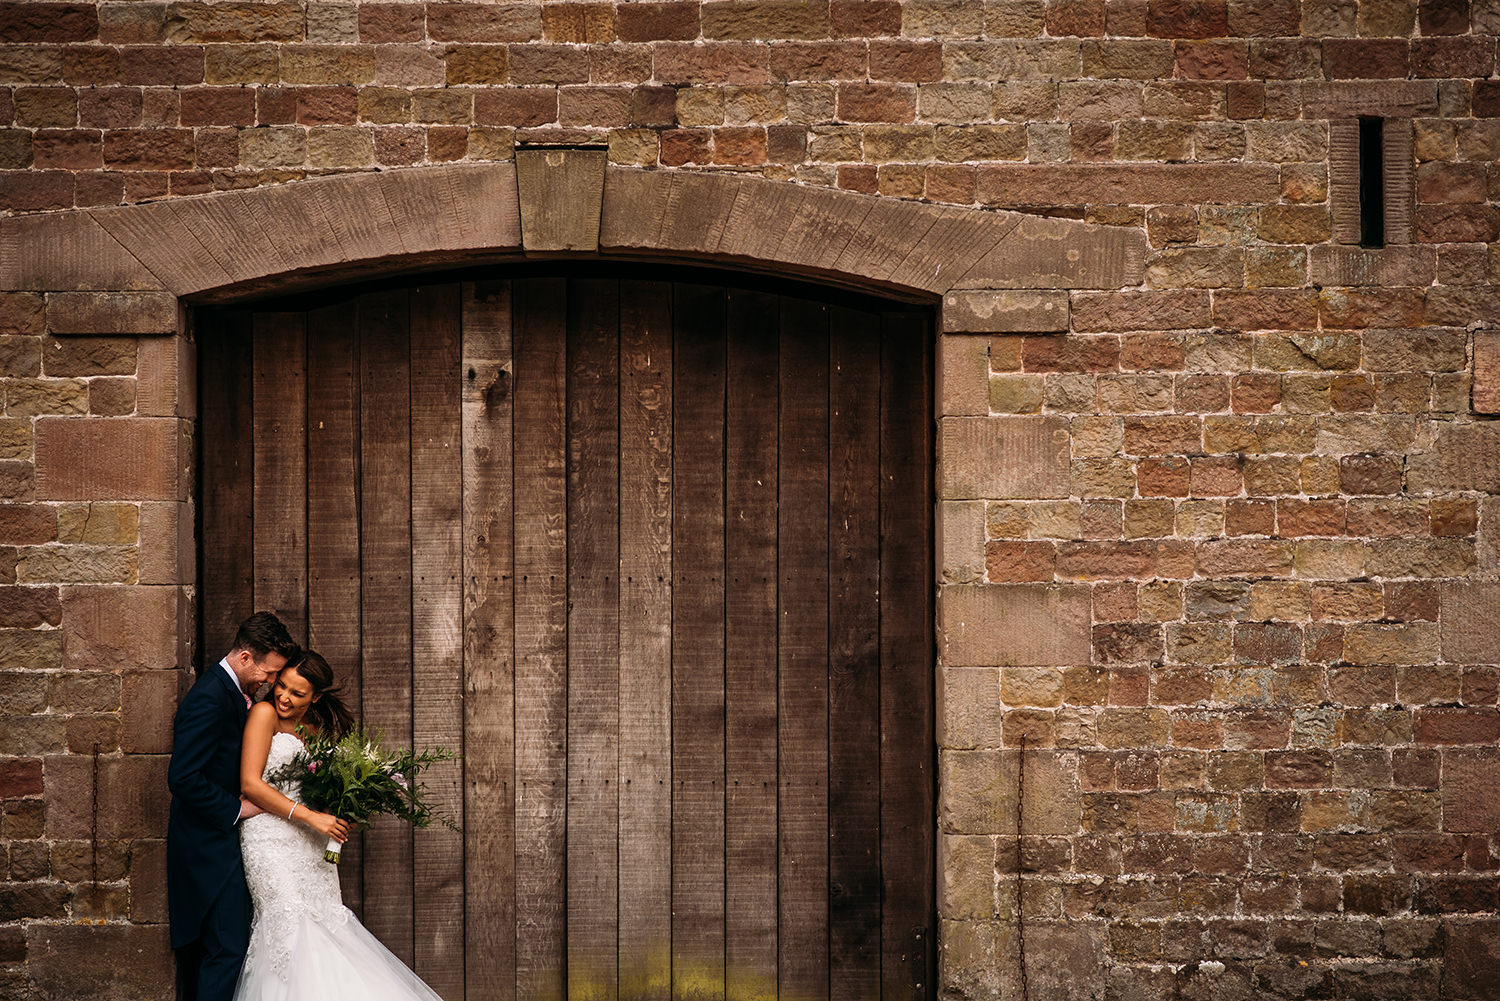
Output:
x=208 y=969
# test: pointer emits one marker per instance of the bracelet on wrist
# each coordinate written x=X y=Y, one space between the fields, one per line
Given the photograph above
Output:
x=292 y=810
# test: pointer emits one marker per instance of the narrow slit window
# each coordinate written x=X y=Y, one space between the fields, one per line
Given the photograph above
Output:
x=1372 y=182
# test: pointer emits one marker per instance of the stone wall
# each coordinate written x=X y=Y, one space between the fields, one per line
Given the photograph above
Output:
x=1218 y=532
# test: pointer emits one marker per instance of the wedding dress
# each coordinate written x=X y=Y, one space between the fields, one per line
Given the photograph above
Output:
x=305 y=945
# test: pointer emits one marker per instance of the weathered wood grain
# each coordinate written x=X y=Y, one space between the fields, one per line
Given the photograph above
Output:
x=593 y=639
x=541 y=559
x=385 y=593
x=226 y=577
x=752 y=396
x=854 y=655
x=646 y=495
x=486 y=375
x=333 y=584
x=908 y=873
x=280 y=480
x=802 y=816
x=698 y=644
x=437 y=626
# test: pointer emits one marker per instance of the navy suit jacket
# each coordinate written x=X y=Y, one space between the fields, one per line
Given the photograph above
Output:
x=203 y=843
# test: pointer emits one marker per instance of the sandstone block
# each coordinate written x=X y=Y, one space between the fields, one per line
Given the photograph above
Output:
x=975 y=958
x=133 y=796
x=30 y=650
x=73 y=565
x=148 y=881
x=98 y=523
x=1471 y=799
x=960 y=533
x=1486 y=380
x=68 y=793
x=966 y=877
x=986 y=311
x=111 y=313
x=1014 y=625
x=969 y=707
x=1469 y=611
x=974 y=789
x=109 y=962
x=148 y=700
x=120 y=627
x=167 y=386
x=79 y=459
x=999 y=457
x=963 y=365
x=1471 y=959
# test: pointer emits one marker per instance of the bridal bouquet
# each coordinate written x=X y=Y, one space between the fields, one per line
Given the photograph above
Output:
x=356 y=779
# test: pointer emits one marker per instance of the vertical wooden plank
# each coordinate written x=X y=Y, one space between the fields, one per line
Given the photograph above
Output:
x=906 y=688
x=645 y=640
x=854 y=655
x=803 y=651
x=698 y=644
x=280 y=483
x=750 y=647
x=385 y=593
x=540 y=453
x=333 y=603
x=437 y=626
x=488 y=643
x=226 y=447
x=593 y=638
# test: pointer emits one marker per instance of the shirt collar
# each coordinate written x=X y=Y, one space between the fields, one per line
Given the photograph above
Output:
x=224 y=663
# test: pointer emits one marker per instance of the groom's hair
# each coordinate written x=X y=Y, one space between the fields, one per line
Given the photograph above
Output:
x=263 y=633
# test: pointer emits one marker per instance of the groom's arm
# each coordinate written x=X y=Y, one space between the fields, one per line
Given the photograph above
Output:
x=196 y=731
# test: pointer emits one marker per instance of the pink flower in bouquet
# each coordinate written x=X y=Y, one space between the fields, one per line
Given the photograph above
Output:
x=312 y=766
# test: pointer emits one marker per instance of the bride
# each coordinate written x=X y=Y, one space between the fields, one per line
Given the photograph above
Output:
x=304 y=943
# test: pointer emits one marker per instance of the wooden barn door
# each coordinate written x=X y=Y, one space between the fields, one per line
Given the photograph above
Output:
x=656 y=557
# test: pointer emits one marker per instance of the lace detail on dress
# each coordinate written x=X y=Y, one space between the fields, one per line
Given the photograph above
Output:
x=284 y=868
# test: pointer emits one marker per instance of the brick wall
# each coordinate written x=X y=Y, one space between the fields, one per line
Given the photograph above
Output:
x=1219 y=550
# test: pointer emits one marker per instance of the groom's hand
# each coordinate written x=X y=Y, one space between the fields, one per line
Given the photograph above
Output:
x=248 y=809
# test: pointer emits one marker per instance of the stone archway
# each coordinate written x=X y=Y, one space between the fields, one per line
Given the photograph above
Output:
x=130 y=270
x=323 y=230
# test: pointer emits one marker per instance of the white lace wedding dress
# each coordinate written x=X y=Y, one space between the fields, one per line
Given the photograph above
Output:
x=305 y=945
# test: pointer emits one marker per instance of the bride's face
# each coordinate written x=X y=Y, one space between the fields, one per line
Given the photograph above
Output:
x=291 y=695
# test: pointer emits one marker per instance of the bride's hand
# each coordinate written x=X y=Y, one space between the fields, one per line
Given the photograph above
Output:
x=328 y=825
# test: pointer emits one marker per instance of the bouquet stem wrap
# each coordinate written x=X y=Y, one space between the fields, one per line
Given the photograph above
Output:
x=333 y=851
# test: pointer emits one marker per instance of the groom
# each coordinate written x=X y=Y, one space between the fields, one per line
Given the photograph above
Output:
x=208 y=902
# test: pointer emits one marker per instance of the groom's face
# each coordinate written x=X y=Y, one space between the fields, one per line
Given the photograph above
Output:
x=255 y=671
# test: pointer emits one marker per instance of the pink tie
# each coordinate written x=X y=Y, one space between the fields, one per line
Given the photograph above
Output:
x=247 y=699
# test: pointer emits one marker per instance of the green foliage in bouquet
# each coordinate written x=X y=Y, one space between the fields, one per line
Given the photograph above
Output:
x=354 y=778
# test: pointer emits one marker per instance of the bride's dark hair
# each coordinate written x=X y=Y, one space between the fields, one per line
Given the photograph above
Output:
x=328 y=711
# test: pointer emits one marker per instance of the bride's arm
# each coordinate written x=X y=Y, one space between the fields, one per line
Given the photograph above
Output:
x=254 y=750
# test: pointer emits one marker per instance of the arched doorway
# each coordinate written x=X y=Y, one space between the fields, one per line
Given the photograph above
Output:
x=654 y=548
